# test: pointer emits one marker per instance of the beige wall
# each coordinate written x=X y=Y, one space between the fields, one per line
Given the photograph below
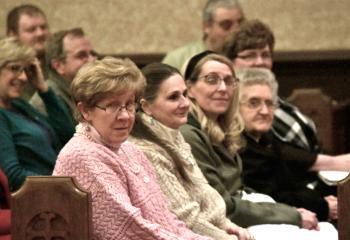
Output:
x=156 y=26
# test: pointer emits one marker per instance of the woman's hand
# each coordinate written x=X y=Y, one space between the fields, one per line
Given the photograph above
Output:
x=35 y=76
x=241 y=233
x=309 y=219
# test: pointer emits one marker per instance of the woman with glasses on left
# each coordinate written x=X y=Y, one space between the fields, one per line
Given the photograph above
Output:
x=29 y=141
x=127 y=202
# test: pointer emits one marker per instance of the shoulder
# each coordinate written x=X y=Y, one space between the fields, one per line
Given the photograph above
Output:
x=193 y=134
x=132 y=150
x=189 y=48
x=180 y=55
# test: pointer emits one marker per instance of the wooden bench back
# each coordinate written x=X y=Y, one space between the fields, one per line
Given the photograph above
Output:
x=344 y=209
x=51 y=208
x=330 y=117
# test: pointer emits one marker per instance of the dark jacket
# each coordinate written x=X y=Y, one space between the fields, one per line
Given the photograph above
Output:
x=223 y=172
x=266 y=169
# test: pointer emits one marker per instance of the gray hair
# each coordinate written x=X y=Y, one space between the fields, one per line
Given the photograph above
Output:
x=255 y=76
x=211 y=6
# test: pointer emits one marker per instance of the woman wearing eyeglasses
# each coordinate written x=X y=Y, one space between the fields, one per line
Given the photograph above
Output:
x=265 y=158
x=127 y=202
x=213 y=131
x=29 y=141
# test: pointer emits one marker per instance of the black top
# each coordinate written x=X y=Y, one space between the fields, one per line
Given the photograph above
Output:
x=275 y=168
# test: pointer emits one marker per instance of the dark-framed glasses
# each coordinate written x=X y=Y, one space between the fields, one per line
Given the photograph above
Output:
x=16 y=68
x=258 y=103
x=116 y=109
x=214 y=79
x=253 y=55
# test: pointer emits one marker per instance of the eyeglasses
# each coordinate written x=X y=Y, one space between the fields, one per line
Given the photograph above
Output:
x=215 y=79
x=253 y=55
x=257 y=104
x=116 y=109
x=227 y=24
x=15 y=68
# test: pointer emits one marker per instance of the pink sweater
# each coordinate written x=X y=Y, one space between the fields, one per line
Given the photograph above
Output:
x=127 y=202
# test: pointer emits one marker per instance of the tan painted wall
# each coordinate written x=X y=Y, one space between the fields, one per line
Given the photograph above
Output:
x=156 y=26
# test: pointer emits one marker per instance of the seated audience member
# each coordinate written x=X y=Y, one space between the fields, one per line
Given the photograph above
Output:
x=213 y=131
x=29 y=141
x=28 y=24
x=66 y=52
x=5 y=213
x=164 y=108
x=265 y=157
x=127 y=202
x=252 y=46
x=220 y=18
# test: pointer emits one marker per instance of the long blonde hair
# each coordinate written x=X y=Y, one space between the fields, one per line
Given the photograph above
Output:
x=228 y=126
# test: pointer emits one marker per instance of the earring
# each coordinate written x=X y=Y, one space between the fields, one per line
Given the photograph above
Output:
x=151 y=121
x=87 y=128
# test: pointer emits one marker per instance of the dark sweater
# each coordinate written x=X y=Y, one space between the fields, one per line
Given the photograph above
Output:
x=267 y=169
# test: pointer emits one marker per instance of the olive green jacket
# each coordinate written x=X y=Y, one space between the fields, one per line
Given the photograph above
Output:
x=223 y=172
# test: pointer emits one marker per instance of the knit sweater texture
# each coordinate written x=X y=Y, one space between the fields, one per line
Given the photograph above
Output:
x=127 y=202
x=196 y=203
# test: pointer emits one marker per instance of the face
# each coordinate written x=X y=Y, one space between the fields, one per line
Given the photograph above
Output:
x=225 y=21
x=113 y=126
x=171 y=105
x=213 y=99
x=78 y=51
x=12 y=81
x=257 y=108
x=260 y=57
x=33 y=31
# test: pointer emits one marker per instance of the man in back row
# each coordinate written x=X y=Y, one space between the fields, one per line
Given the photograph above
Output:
x=220 y=18
x=67 y=51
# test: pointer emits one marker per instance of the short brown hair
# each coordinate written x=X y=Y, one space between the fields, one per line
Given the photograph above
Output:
x=14 y=15
x=54 y=46
x=97 y=79
x=252 y=34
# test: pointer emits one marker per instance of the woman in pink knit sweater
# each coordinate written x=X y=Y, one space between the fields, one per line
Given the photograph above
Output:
x=127 y=202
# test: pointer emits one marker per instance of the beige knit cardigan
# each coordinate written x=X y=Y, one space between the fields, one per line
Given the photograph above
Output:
x=198 y=204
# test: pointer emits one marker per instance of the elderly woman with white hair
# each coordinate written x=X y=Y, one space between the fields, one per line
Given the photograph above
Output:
x=267 y=161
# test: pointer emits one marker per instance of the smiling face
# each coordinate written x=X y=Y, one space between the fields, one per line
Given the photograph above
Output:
x=114 y=128
x=12 y=81
x=257 y=108
x=33 y=31
x=212 y=99
x=171 y=105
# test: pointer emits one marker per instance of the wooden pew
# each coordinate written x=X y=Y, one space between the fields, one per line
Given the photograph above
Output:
x=331 y=118
x=48 y=207
x=344 y=209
